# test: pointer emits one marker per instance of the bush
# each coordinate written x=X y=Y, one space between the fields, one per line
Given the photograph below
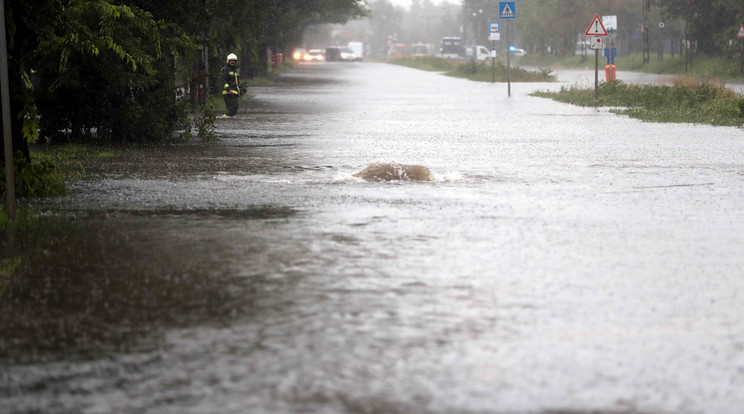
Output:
x=428 y=63
x=35 y=179
x=687 y=100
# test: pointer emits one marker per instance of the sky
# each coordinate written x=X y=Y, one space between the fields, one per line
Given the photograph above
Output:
x=407 y=3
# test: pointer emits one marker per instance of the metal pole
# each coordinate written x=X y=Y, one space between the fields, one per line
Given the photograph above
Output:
x=206 y=71
x=646 y=42
x=596 y=76
x=7 y=130
x=688 y=36
x=508 y=60
x=493 y=62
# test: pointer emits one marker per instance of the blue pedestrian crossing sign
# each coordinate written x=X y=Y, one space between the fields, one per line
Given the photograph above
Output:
x=508 y=9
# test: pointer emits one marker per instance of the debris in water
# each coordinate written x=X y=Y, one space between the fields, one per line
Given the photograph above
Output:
x=395 y=172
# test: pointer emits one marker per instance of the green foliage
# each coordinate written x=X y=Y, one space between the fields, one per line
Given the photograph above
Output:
x=686 y=101
x=205 y=123
x=484 y=72
x=101 y=75
x=467 y=70
x=428 y=63
x=710 y=67
x=712 y=23
x=703 y=66
x=34 y=179
x=562 y=22
x=475 y=71
x=104 y=70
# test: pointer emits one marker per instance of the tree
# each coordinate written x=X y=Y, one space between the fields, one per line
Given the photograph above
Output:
x=100 y=68
x=104 y=69
x=386 y=27
x=711 y=23
x=561 y=24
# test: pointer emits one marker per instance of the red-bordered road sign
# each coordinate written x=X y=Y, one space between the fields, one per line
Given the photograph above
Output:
x=596 y=28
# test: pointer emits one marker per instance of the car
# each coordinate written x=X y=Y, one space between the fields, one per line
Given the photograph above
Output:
x=314 y=55
x=341 y=53
x=517 y=52
x=299 y=54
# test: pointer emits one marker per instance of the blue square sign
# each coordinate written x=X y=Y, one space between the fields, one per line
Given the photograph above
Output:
x=508 y=9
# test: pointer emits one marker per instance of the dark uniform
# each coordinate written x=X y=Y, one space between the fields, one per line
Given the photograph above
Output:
x=231 y=87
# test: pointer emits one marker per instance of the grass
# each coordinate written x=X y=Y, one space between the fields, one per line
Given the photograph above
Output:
x=475 y=71
x=71 y=157
x=688 y=100
x=50 y=167
x=702 y=66
x=427 y=63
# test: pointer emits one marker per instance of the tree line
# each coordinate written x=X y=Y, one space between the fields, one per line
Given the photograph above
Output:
x=111 y=70
x=556 y=25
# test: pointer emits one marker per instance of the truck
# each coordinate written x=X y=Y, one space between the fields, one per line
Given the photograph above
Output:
x=452 y=48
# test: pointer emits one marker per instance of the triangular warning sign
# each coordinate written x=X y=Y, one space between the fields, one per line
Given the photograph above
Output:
x=507 y=12
x=596 y=28
x=741 y=32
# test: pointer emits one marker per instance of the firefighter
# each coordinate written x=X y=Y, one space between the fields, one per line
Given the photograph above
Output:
x=231 y=89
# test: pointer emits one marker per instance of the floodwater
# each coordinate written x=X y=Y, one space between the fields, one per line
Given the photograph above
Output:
x=564 y=259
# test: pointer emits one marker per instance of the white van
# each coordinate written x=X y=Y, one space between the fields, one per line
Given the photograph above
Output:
x=358 y=48
x=477 y=53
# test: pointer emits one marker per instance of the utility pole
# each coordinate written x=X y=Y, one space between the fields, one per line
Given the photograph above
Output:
x=7 y=130
x=646 y=46
x=688 y=35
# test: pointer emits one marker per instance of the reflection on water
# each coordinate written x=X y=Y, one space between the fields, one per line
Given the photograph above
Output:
x=564 y=260
x=98 y=282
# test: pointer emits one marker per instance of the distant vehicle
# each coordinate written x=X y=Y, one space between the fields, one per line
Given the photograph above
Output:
x=398 y=51
x=358 y=49
x=314 y=55
x=478 y=53
x=410 y=50
x=517 y=52
x=451 y=47
x=299 y=54
x=420 y=50
x=340 y=54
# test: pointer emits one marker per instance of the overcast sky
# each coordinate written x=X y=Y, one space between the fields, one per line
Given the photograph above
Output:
x=407 y=3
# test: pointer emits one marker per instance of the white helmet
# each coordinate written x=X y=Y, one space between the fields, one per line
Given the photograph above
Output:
x=231 y=56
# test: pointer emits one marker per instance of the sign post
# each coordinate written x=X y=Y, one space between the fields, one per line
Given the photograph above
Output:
x=508 y=10
x=7 y=130
x=741 y=46
x=596 y=29
x=493 y=36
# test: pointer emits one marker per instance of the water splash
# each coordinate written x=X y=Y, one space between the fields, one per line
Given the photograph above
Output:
x=395 y=172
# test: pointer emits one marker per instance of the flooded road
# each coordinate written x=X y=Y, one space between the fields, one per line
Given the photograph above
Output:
x=564 y=259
